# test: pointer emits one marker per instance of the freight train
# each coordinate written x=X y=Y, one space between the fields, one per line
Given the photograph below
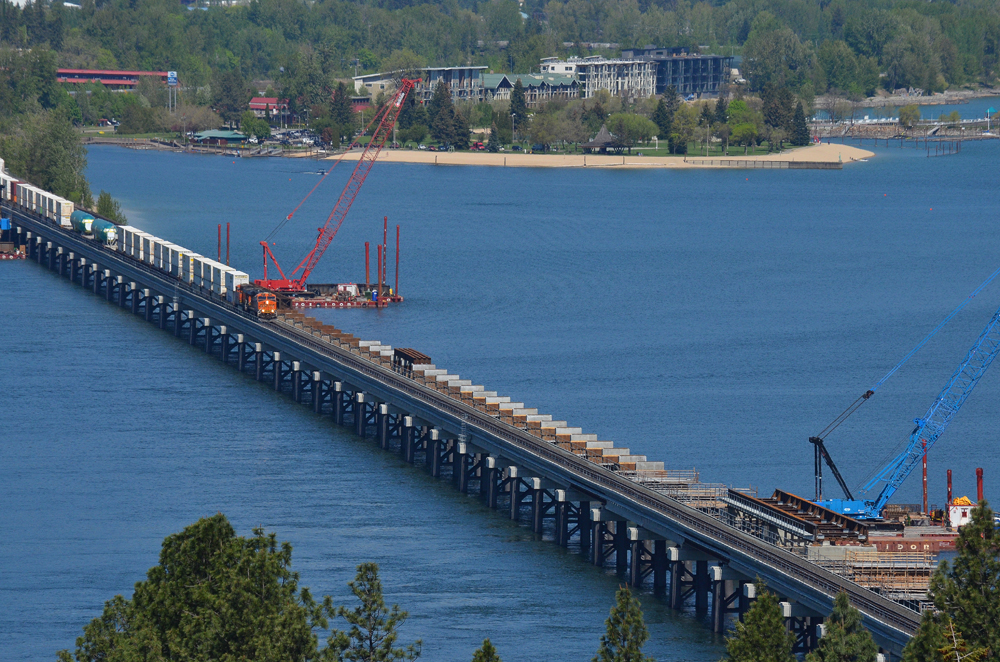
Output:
x=212 y=277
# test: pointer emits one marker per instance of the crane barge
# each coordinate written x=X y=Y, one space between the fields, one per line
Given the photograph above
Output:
x=294 y=284
x=926 y=432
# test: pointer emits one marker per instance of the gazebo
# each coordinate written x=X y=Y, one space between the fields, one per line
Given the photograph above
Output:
x=602 y=142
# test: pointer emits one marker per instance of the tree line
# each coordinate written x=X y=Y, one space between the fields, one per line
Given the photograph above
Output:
x=216 y=595
x=850 y=47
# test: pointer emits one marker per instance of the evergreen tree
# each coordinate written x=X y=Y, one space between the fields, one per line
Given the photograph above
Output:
x=955 y=649
x=460 y=130
x=662 y=118
x=721 y=111
x=231 y=95
x=519 y=106
x=493 y=144
x=486 y=653
x=762 y=635
x=968 y=588
x=213 y=596
x=442 y=115
x=800 y=130
x=341 y=109
x=374 y=629
x=846 y=639
x=671 y=99
x=929 y=640
x=626 y=631
x=776 y=106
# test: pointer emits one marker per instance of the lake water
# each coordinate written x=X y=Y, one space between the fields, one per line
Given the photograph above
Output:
x=709 y=319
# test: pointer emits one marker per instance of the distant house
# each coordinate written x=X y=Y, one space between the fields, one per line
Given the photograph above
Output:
x=272 y=109
x=219 y=137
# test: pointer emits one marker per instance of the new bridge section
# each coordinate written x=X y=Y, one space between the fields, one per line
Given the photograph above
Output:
x=686 y=553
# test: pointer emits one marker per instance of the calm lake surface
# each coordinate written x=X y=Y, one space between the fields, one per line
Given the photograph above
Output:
x=711 y=319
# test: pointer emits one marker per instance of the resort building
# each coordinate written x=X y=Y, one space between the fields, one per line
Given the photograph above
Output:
x=272 y=109
x=117 y=80
x=636 y=76
x=689 y=73
x=538 y=88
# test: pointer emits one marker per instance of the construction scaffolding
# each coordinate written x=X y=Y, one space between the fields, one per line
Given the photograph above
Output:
x=899 y=576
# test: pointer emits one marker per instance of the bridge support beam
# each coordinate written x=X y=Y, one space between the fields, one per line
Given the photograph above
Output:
x=161 y=307
x=223 y=342
x=131 y=288
x=561 y=506
x=206 y=324
x=727 y=591
x=192 y=328
x=97 y=278
x=802 y=622
x=258 y=360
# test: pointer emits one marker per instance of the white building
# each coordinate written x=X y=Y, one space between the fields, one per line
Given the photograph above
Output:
x=597 y=73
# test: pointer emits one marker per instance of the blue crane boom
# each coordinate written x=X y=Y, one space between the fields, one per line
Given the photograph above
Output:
x=928 y=428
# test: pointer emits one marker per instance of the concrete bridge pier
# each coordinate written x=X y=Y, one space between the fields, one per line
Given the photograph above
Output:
x=317 y=391
x=296 y=377
x=192 y=328
x=337 y=400
x=360 y=414
x=133 y=292
x=408 y=437
x=109 y=288
x=224 y=343
x=147 y=307
x=56 y=262
x=460 y=466
x=747 y=596
x=802 y=622
x=54 y=257
x=258 y=360
x=83 y=271
x=43 y=249
x=206 y=324
x=277 y=370
x=513 y=486
x=727 y=590
x=97 y=278
x=433 y=453
x=161 y=310
x=489 y=484
x=648 y=557
x=122 y=291
x=176 y=314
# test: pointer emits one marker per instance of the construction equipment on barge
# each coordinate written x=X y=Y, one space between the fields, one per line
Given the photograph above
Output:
x=295 y=283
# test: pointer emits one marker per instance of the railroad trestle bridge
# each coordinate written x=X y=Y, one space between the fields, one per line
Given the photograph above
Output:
x=685 y=555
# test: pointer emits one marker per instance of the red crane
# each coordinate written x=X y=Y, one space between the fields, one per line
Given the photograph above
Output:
x=384 y=121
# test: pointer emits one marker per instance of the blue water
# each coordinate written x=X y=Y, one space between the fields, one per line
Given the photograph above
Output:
x=974 y=109
x=710 y=319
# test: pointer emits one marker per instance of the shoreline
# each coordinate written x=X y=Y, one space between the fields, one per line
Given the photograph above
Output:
x=823 y=156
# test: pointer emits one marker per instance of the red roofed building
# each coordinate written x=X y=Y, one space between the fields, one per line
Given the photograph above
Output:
x=269 y=108
x=107 y=77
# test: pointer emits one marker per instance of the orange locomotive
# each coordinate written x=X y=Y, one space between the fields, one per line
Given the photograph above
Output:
x=261 y=302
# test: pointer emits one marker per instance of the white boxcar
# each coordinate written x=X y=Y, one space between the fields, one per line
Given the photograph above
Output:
x=177 y=261
x=233 y=281
x=64 y=210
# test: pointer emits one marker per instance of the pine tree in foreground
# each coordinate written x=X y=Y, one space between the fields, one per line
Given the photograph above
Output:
x=626 y=631
x=926 y=644
x=762 y=635
x=968 y=588
x=955 y=649
x=846 y=639
x=486 y=653
x=374 y=628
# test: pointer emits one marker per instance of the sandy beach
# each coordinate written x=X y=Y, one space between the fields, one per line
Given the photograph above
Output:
x=820 y=154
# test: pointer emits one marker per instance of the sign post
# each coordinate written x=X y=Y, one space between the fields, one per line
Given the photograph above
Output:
x=172 y=90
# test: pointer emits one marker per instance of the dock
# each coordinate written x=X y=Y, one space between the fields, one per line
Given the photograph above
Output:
x=696 y=544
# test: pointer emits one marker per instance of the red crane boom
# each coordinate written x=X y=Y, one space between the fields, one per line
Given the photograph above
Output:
x=336 y=218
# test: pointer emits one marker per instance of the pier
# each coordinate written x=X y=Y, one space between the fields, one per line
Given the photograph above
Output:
x=654 y=526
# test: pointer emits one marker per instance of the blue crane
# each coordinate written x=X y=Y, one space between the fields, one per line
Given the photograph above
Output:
x=927 y=430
